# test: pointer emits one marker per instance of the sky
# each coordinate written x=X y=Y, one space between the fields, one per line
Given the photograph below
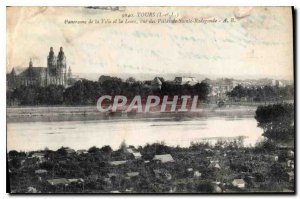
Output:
x=259 y=43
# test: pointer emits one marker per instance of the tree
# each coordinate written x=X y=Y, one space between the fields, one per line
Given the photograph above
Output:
x=47 y=165
x=93 y=149
x=202 y=90
x=51 y=95
x=155 y=149
x=277 y=172
x=237 y=93
x=259 y=177
x=266 y=93
x=104 y=78
x=27 y=95
x=9 y=97
x=112 y=86
x=204 y=187
x=106 y=149
x=277 y=121
x=62 y=151
x=13 y=153
x=123 y=145
x=130 y=80
x=15 y=163
x=265 y=146
x=75 y=95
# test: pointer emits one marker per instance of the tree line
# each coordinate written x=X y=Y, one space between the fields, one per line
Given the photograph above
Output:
x=86 y=92
x=260 y=94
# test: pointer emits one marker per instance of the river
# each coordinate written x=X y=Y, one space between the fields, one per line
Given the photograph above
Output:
x=82 y=134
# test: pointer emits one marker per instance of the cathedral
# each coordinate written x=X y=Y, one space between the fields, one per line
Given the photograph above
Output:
x=54 y=74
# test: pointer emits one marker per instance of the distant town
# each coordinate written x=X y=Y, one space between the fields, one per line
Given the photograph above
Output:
x=57 y=82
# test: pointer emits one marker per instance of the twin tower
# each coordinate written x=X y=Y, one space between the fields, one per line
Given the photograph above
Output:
x=57 y=68
x=54 y=74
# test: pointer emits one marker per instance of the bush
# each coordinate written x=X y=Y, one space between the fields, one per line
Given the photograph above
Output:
x=204 y=187
x=93 y=149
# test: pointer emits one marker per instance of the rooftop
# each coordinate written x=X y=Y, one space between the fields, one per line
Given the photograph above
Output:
x=58 y=181
x=164 y=158
x=116 y=163
x=238 y=181
x=132 y=174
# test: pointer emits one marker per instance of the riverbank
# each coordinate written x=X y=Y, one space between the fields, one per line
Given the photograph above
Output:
x=78 y=113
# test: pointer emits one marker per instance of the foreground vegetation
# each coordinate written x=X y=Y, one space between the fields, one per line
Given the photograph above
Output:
x=201 y=168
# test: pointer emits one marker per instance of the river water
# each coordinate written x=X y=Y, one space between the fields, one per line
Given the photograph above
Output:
x=27 y=136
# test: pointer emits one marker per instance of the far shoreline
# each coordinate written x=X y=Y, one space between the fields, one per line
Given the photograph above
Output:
x=83 y=113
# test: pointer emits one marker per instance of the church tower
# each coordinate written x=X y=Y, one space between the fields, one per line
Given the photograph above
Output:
x=69 y=73
x=30 y=72
x=61 y=68
x=51 y=67
x=12 y=79
x=30 y=63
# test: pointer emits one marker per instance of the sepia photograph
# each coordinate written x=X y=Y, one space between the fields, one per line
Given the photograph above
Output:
x=150 y=100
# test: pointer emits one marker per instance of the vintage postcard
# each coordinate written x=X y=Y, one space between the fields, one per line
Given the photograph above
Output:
x=150 y=100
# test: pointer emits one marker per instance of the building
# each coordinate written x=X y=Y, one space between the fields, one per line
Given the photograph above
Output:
x=290 y=153
x=197 y=174
x=164 y=158
x=54 y=74
x=81 y=151
x=132 y=174
x=58 y=181
x=40 y=171
x=137 y=155
x=290 y=176
x=69 y=151
x=240 y=183
x=117 y=163
x=290 y=163
x=134 y=152
x=214 y=165
x=185 y=80
x=32 y=190
x=278 y=83
x=156 y=83
x=40 y=156
x=274 y=158
x=220 y=87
